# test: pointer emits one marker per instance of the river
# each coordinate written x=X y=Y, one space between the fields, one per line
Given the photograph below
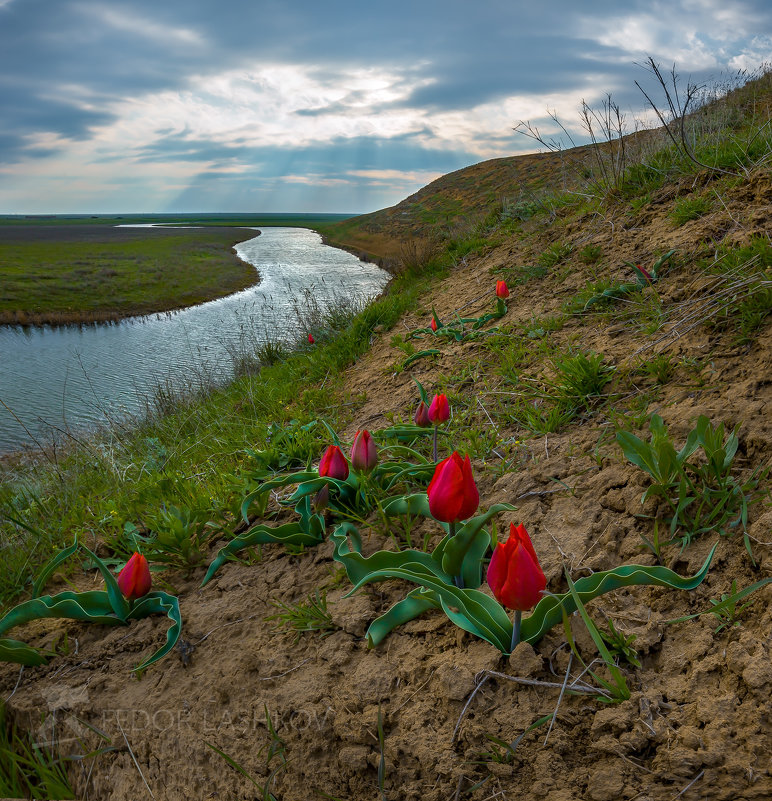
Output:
x=67 y=379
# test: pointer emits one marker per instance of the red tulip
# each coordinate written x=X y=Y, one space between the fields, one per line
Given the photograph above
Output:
x=453 y=495
x=439 y=410
x=433 y=324
x=311 y=340
x=134 y=579
x=645 y=273
x=364 y=455
x=333 y=463
x=514 y=573
x=421 y=416
x=501 y=290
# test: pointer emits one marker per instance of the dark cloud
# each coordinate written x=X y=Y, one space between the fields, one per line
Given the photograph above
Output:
x=64 y=63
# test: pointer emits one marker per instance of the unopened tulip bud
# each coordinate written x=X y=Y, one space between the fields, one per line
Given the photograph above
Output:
x=364 y=455
x=421 y=416
x=333 y=464
x=645 y=273
x=311 y=340
x=433 y=325
x=322 y=498
x=452 y=493
x=439 y=410
x=501 y=290
x=134 y=580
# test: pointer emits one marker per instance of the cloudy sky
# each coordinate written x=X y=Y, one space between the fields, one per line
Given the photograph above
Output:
x=301 y=105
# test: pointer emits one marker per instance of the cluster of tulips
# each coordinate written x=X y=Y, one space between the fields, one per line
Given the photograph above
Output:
x=514 y=573
x=446 y=579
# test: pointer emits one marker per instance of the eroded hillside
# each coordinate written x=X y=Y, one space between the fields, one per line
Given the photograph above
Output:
x=589 y=347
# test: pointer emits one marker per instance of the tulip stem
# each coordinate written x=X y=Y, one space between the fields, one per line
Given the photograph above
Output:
x=516 y=630
x=434 y=450
x=459 y=579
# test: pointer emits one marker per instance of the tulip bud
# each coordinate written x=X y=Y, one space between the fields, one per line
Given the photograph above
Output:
x=134 y=580
x=433 y=325
x=501 y=290
x=322 y=498
x=421 y=416
x=514 y=573
x=333 y=464
x=453 y=495
x=311 y=340
x=439 y=410
x=364 y=455
x=645 y=273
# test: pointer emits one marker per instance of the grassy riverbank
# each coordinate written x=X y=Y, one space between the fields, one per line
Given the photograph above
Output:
x=75 y=274
x=82 y=269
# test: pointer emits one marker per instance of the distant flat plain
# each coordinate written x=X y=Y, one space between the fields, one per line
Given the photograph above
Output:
x=62 y=270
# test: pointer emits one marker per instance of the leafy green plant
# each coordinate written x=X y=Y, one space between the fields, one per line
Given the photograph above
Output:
x=465 y=605
x=29 y=769
x=727 y=610
x=596 y=294
x=581 y=378
x=619 y=644
x=106 y=606
x=353 y=498
x=554 y=254
x=590 y=254
x=660 y=368
x=701 y=495
x=308 y=615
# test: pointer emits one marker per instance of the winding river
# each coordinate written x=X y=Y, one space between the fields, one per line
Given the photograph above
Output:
x=67 y=379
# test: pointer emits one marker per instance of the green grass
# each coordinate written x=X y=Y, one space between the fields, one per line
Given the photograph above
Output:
x=689 y=208
x=57 y=280
x=191 y=455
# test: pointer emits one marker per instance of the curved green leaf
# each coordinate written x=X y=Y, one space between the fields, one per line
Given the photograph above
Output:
x=20 y=653
x=49 y=568
x=416 y=504
x=362 y=570
x=403 y=611
x=281 y=481
x=118 y=601
x=164 y=604
x=94 y=606
x=457 y=547
x=288 y=534
x=547 y=613
x=420 y=355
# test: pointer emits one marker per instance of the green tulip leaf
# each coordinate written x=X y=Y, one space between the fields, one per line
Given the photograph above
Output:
x=362 y=570
x=421 y=391
x=547 y=613
x=289 y=534
x=267 y=486
x=50 y=567
x=409 y=608
x=456 y=549
x=20 y=653
x=417 y=504
x=420 y=355
x=94 y=606
x=118 y=601
x=155 y=603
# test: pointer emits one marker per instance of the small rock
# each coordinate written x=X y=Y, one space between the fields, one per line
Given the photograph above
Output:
x=524 y=661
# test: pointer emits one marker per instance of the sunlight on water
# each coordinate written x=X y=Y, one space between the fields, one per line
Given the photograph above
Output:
x=64 y=379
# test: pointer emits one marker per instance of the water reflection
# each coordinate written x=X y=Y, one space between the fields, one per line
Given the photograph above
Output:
x=69 y=378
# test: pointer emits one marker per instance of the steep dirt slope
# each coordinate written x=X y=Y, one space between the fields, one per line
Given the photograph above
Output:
x=697 y=724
